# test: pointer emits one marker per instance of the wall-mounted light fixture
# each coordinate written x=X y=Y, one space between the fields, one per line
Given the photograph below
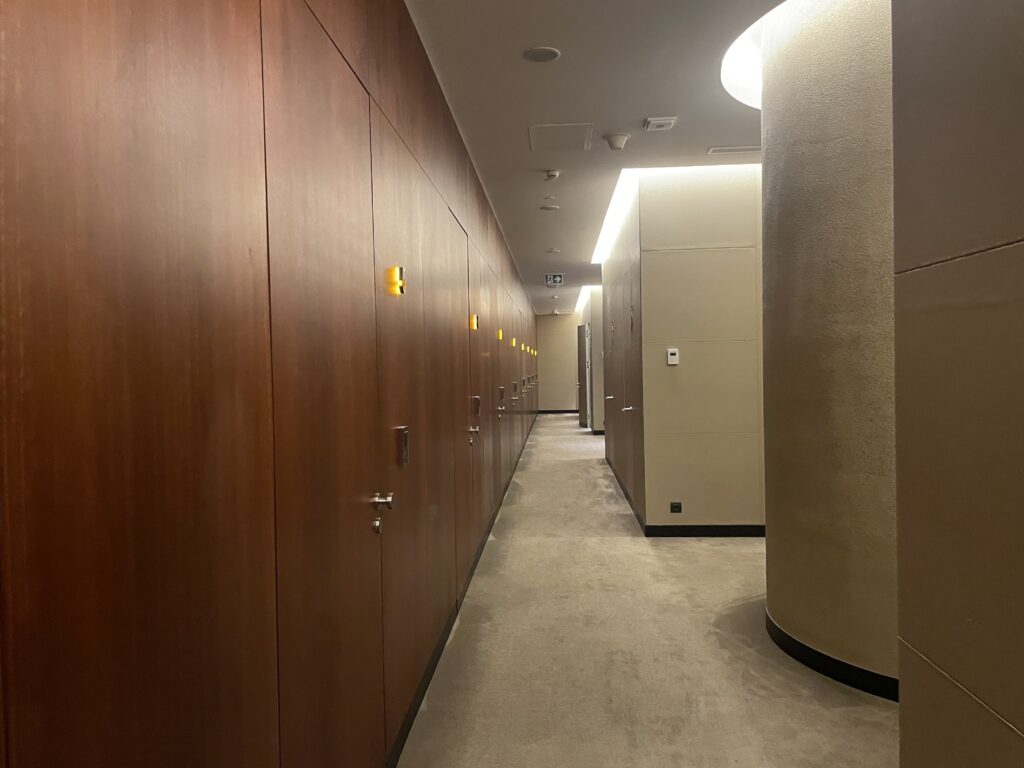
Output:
x=474 y=322
x=513 y=342
x=396 y=281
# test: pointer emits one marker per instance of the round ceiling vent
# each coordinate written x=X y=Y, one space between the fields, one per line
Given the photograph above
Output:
x=541 y=54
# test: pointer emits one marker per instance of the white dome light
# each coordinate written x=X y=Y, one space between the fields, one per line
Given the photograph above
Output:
x=741 y=67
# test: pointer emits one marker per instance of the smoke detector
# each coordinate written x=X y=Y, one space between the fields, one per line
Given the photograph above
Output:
x=552 y=174
x=617 y=141
x=656 y=124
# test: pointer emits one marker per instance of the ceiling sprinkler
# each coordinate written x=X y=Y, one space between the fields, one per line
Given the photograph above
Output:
x=552 y=174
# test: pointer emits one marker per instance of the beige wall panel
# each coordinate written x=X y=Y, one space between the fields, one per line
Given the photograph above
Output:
x=701 y=207
x=960 y=409
x=717 y=477
x=957 y=85
x=828 y=329
x=701 y=294
x=556 y=362
x=715 y=388
x=943 y=726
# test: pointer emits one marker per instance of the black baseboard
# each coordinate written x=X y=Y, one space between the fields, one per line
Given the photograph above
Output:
x=557 y=412
x=435 y=658
x=597 y=431
x=840 y=671
x=417 y=700
x=703 y=531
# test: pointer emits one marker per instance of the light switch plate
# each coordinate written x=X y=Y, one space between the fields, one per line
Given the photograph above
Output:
x=672 y=356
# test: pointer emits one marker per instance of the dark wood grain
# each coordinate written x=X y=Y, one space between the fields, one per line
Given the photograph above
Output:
x=328 y=434
x=138 y=546
x=465 y=444
x=419 y=537
x=380 y=41
x=481 y=376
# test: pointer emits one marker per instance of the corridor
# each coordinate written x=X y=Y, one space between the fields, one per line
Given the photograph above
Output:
x=581 y=643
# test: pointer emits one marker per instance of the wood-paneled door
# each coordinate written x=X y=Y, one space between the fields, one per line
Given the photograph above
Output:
x=327 y=430
x=138 y=521
x=465 y=448
x=496 y=382
x=419 y=535
x=481 y=390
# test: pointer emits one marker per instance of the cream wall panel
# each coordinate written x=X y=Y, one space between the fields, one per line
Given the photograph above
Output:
x=718 y=477
x=828 y=328
x=715 y=388
x=701 y=295
x=701 y=207
x=556 y=362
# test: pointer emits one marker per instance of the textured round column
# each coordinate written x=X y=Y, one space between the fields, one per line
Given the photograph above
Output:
x=828 y=335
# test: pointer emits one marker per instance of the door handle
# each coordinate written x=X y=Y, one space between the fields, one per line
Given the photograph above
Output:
x=609 y=397
x=403 y=445
x=501 y=407
x=380 y=500
x=473 y=430
x=627 y=410
x=514 y=398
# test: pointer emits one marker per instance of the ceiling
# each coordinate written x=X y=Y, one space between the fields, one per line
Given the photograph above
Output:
x=620 y=64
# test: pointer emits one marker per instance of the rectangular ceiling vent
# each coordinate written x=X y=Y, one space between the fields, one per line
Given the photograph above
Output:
x=561 y=137
x=734 y=150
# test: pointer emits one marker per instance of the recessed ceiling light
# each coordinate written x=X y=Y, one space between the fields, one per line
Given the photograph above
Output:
x=554 y=297
x=554 y=250
x=550 y=207
x=541 y=54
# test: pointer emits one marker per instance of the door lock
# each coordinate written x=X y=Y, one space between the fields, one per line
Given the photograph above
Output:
x=380 y=500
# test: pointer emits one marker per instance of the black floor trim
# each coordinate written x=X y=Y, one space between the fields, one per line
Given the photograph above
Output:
x=703 y=531
x=417 y=700
x=847 y=674
x=597 y=431
x=435 y=658
x=556 y=412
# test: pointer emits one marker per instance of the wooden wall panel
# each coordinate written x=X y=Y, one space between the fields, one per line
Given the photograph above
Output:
x=419 y=558
x=137 y=452
x=465 y=448
x=327 y=435
x=482 y=378
x=380 y=41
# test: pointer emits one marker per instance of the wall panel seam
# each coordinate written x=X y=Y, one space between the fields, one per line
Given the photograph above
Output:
x=960 y=257
x=961 y=687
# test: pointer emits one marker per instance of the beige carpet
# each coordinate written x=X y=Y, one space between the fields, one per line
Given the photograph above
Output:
x=581 y=643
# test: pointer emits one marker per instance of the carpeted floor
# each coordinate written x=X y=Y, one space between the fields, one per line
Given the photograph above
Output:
x=583 y=644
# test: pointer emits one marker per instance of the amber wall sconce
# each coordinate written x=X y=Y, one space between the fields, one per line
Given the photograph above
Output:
x=396 y=281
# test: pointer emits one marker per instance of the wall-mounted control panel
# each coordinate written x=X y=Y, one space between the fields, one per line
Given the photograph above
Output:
x=672 y=356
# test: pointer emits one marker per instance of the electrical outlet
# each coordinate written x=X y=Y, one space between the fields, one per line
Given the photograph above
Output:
x=676 y=507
